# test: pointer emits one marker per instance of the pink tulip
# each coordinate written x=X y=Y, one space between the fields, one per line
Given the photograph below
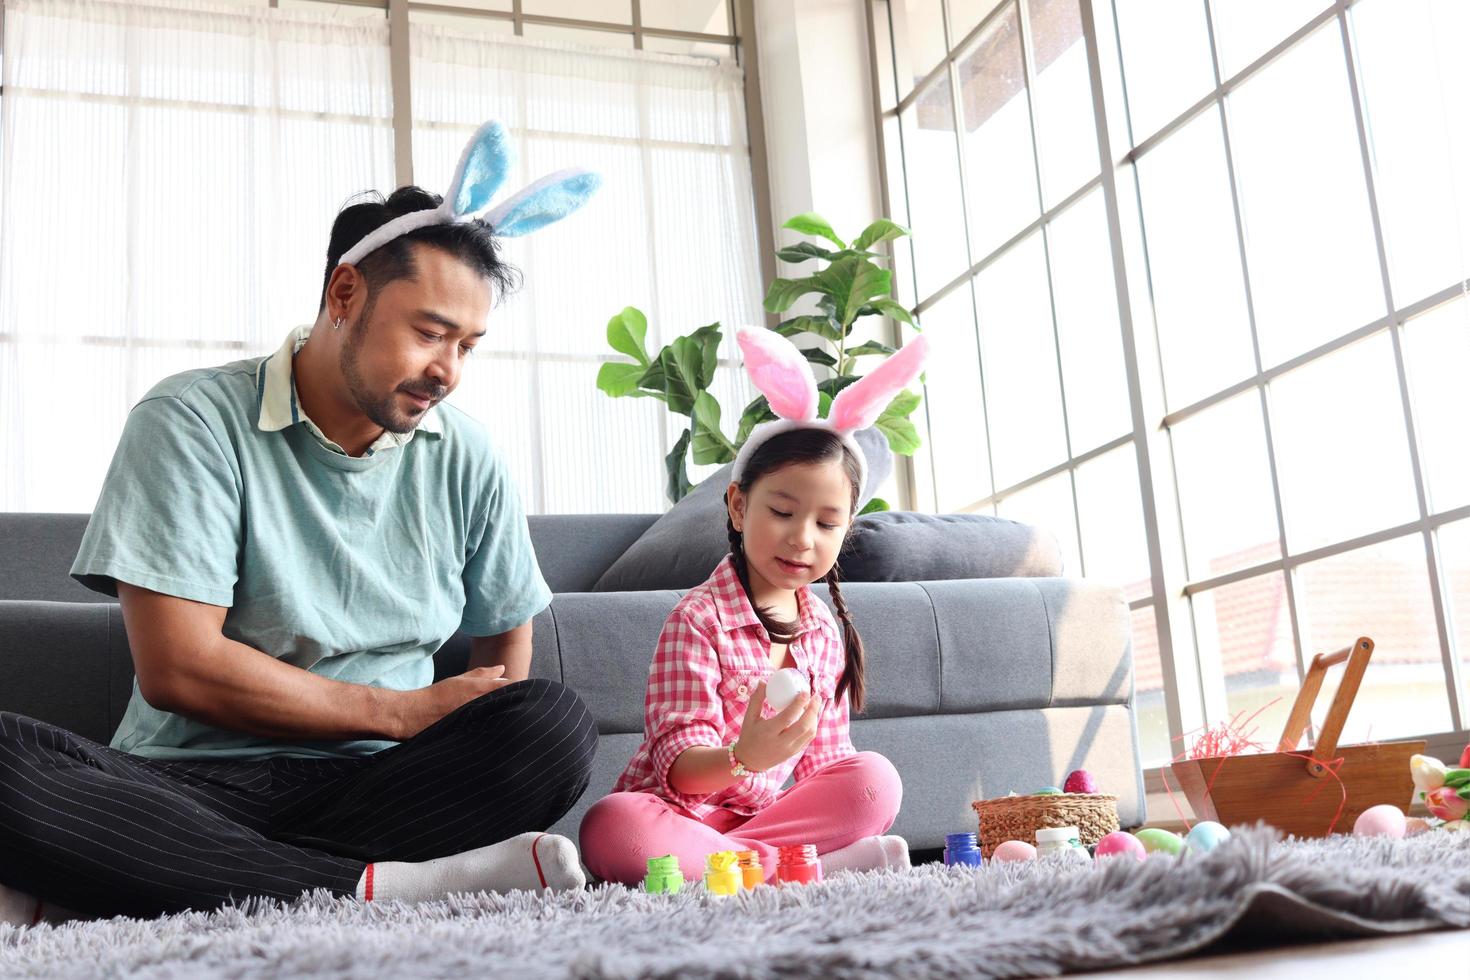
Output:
x=1446 y=804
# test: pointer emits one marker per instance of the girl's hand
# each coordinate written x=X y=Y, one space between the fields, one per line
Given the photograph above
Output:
x=765 y=743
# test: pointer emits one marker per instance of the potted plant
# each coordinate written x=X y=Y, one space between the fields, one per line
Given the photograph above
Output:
x=849 y=286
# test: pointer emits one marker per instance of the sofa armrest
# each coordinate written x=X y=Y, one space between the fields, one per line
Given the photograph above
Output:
x=66 y=663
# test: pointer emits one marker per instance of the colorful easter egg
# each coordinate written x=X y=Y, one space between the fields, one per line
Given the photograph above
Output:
x=1465 y=758
x=1456 y=826
x=1446 y=803
x=1013 y=850
x=1414 y=826
x=1156 y=840
x=1080 y=781
x=1120 y=843
x=1206 y=836
x=1047 y=791
x=1383 y=820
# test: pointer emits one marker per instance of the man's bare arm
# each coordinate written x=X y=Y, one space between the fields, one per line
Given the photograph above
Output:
x=185 y=664
x=511 y=650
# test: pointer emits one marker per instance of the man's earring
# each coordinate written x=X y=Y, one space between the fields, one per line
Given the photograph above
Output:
x=337 y=324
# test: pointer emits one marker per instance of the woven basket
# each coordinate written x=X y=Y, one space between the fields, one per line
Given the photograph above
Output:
x=1095 y=815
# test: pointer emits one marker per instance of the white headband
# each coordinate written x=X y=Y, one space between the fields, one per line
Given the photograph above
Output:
x=782 y=373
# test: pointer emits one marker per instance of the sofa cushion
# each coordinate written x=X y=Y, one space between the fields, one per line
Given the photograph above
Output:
x=66 y=663
x=607 y=642
x=36 y=552
x=683 y=546
x=574 y=550
x=681 y=549
x=898 y=546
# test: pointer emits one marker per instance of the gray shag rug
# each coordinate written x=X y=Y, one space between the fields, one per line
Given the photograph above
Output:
x=1015 y=920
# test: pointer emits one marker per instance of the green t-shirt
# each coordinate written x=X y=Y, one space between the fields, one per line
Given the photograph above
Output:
x=355 y=568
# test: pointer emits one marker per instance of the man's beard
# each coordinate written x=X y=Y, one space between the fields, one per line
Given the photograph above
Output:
x=382 y=410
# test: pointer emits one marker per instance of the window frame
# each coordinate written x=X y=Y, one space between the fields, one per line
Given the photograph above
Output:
x=1194 y=697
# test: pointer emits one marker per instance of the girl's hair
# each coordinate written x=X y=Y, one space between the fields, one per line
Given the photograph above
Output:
x=778 y=452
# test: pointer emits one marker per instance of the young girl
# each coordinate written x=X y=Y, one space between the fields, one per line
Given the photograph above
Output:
x=709 y=773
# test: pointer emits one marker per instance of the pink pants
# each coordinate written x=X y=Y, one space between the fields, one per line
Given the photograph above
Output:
x=841 y=803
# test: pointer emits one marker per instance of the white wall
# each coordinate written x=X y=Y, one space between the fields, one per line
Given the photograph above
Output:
x=816 y=92
x=817 y=96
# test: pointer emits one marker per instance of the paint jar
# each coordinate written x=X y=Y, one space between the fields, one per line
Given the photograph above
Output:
x=961 y=849
x=721 y=873
x=797 y=864
x=664 y=876
x=751 y=872
x=1062 y=841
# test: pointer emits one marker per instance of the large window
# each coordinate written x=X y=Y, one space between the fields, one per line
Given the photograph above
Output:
x=1239 y=347
x=668 y=132
x=169 y=172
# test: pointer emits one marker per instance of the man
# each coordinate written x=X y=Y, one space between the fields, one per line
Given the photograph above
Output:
x=291 y=538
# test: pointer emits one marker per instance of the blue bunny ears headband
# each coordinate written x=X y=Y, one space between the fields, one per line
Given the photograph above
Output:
x=483 y=167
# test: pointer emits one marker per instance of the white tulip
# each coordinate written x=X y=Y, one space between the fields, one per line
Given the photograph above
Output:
x=1428 y=773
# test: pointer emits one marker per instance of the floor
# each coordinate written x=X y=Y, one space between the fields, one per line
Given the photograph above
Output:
x=1434 y=954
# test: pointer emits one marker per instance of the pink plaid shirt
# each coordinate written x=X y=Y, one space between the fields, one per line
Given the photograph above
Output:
x=711 y=654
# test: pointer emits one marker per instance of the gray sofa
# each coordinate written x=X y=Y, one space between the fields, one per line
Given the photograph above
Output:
x=978 y=687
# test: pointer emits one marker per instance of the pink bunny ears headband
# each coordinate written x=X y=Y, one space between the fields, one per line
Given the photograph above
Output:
x=783 y=374
x=483 y=167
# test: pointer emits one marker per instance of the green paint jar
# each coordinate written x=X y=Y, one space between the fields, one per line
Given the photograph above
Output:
x=664 y=876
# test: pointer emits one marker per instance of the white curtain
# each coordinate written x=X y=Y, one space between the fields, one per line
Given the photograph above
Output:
x=170 y=169
x=672 y=232
x=170 y=172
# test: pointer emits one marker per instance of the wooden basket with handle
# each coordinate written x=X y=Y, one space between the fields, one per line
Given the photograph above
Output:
x=1294 y=791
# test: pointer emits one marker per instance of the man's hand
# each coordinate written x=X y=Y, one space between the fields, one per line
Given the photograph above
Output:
x=765 y=743
x=420 y=709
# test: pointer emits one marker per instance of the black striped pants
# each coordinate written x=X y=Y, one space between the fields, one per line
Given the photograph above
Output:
x=101 y=832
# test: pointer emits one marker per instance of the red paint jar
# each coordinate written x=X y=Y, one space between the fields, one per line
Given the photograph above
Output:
x=797 y=864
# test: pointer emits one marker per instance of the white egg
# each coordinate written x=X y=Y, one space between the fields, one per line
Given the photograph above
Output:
x=783 y=687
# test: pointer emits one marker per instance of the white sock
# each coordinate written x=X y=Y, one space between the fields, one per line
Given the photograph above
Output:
x=868 y=854
x=19 y=909
x=529 y=861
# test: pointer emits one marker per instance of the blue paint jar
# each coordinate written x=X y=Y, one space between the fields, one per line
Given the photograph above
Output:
x=961 y=849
